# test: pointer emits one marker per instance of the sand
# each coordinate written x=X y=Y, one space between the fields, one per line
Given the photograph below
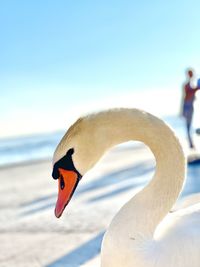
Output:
x=30 y=234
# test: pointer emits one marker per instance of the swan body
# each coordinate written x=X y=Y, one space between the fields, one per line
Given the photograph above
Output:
x=144 y=232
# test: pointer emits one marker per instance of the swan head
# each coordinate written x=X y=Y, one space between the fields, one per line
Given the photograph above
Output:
x=86 y=141
x=78 y=151
x=68 y=179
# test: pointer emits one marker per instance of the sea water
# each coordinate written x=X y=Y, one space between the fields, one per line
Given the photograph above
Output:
x=36 y=147
x=28 y=148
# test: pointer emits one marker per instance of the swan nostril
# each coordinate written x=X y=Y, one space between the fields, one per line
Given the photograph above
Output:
x=62 y=182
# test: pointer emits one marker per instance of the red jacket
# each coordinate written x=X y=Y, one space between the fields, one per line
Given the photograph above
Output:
x=189 y=93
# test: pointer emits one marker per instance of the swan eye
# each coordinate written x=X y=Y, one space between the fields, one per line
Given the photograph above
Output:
x=70 y=152
x=65 y=163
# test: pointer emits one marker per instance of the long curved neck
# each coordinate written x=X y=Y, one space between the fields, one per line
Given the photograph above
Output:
x=145 y=210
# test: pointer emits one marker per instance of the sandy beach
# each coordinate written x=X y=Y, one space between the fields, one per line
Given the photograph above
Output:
x=31 y=235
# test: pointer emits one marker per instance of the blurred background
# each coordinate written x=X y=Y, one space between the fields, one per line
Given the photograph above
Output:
x=62 y=59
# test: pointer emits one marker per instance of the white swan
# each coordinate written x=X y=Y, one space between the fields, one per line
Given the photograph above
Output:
x=143 y=233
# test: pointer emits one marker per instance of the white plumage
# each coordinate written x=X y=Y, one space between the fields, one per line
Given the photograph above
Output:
x=143 y=233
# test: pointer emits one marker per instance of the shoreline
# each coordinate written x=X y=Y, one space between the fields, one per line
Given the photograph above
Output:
x=25 y=163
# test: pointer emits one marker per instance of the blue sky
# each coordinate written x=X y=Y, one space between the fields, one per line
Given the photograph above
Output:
x=62 y=53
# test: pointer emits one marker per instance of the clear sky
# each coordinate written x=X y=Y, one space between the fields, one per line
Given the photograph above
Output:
x=55 y=55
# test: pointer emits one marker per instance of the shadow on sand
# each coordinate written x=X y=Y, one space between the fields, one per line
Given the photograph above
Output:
x=192 y=184
x=81 y=254
x=126 y=179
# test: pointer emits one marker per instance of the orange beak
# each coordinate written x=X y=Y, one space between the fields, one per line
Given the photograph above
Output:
x=67 y=183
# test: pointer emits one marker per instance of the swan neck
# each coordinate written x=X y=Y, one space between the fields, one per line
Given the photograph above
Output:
x=153 y=203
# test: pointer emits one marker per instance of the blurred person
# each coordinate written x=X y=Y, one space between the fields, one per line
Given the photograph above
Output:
x=198 y=85
x=189 y=92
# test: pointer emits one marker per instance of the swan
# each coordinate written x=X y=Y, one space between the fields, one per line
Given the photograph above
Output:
x=145 y=232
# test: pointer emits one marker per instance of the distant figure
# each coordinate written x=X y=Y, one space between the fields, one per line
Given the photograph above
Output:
x=198 y=85
x=188 y=104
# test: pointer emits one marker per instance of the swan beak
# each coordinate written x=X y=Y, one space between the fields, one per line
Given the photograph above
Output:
x=67 y=183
